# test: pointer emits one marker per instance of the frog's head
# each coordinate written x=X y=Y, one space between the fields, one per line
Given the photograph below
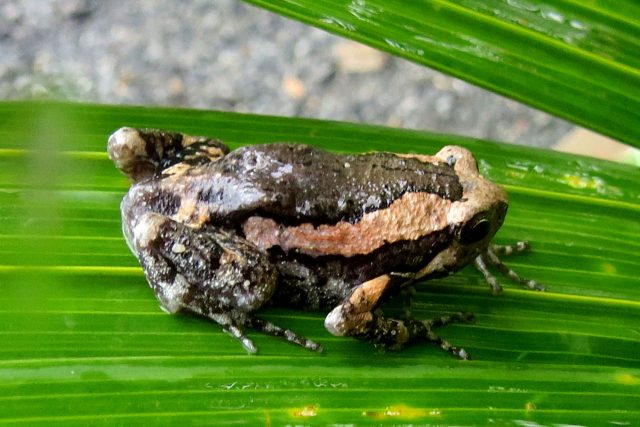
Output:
x=473 y=219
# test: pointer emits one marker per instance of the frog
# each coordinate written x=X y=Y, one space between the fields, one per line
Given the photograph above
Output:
x=222 y=234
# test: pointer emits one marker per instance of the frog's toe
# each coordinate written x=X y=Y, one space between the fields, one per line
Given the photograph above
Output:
x=489 y=257
x=238 y=334
x=291 y=336
x=515 y=248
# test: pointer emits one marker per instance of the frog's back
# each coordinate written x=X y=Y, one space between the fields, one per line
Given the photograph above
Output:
x=299 y=183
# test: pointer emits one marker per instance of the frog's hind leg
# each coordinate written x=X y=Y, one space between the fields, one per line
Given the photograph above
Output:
x=142 y=153
x=358 y=316
x=490 y=256
x=275 y=330
x=208 y=272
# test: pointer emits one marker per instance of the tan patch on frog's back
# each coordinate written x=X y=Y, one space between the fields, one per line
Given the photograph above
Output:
x=176 y=170
x=424 y=158
x=186 y=181
x=192 y=213
x=213 y=153
x=410 y=217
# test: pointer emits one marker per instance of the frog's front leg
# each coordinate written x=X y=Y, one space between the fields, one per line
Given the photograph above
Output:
x=142 y=153
x=490 y=256
x=209 y=272
x=358 y=316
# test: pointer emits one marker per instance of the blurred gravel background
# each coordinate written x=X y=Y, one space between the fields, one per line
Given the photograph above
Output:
x=227 y=55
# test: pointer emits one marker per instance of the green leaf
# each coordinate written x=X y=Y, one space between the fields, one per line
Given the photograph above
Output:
x=84 y=342
x=577 y=60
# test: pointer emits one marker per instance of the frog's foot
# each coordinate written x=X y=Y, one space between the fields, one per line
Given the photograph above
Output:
x=424 y=330
x=141 y=153
x=275 y=330
x=490 y=257
x=358 y=317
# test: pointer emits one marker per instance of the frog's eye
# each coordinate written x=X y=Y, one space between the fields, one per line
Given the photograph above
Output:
x=475 y=230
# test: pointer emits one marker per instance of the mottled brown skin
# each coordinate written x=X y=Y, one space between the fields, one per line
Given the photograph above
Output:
x=221 y=233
